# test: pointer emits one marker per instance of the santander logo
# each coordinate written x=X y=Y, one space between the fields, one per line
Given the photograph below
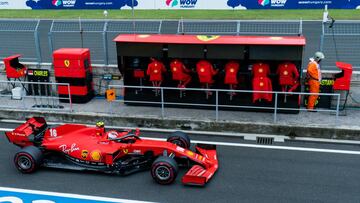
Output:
x=263 y=2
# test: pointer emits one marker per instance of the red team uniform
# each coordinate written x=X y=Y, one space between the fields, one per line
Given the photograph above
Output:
x=205 y=71
x=155 y=70
x=180 y=72
x=288 y=76
x=261 y=82
x=231 y=71
x=260 y=70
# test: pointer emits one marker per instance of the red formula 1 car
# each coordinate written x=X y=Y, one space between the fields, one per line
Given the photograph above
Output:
x=79 y=147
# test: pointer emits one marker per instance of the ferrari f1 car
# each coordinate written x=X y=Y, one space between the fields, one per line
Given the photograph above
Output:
x=79 y=147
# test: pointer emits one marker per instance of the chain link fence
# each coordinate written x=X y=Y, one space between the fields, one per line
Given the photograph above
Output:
x=340 y=41
x=20 y=37
x=97 y=35
x=24 y=36
x=243 y=27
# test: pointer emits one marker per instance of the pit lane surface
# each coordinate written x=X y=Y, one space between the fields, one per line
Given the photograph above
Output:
x=245 y=175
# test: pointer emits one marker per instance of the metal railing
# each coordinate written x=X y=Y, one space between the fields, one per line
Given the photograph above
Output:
x=275 y=108
x=35 y=96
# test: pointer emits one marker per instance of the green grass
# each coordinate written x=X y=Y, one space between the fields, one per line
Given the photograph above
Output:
x=186 y=14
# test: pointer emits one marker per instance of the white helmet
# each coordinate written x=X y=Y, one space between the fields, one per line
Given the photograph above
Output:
x=319 y=55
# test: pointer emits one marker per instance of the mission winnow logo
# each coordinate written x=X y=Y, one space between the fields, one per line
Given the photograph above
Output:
x=183 y=3
x=273 y=3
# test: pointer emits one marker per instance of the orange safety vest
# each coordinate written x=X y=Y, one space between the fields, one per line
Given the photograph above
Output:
x=313 y=71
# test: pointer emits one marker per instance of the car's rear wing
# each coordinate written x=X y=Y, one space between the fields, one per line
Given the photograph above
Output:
x=27 y=133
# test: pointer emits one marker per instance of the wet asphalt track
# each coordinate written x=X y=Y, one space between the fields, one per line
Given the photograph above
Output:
x=245 y=175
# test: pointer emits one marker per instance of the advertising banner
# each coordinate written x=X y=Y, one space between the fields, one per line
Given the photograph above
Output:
x=179 y=4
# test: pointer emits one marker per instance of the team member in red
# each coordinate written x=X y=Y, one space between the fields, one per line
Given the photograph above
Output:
x=205 y=71
x=260 y=70
x=231 y=71
x=262 y=84
x=180 y=73
x=288 y=76
x=155 y=70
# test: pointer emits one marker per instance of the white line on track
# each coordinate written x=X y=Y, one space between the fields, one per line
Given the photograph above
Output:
x=69 y=195
x=269 y=147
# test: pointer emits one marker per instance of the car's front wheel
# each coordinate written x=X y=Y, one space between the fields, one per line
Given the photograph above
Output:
x=180 y=139
x=28 y=159
x=164 y=170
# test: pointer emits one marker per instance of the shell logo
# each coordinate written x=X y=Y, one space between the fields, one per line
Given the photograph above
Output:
x=276 y=38
x=286 y=73
x=95 y=155
x=206 y=38
x=231 y=70
x=174 y=69
x=260 y=70
x=67 y=63
x=143 y=36
x=155 y=71
x=190 y=153
x=202 y=70
x=261 y=84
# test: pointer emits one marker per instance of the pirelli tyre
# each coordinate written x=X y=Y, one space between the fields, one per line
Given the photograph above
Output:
x=180 y=138
x=164 y=170
x=28 y=159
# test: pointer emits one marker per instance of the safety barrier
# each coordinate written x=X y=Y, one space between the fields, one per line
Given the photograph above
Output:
x=34 y=96
x=275 y=108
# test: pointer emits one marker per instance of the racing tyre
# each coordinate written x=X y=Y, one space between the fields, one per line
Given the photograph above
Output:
x=164 y=170
x=180 y=139
x=28 y=159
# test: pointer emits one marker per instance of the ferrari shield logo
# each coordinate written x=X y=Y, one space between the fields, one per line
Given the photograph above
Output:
x=84 y=154
x=207 y=38
x=67 y=63
x=95 y=155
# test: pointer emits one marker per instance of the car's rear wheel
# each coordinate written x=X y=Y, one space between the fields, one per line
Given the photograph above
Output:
x=164 y=170
x=28 y=159
x=179 y=138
